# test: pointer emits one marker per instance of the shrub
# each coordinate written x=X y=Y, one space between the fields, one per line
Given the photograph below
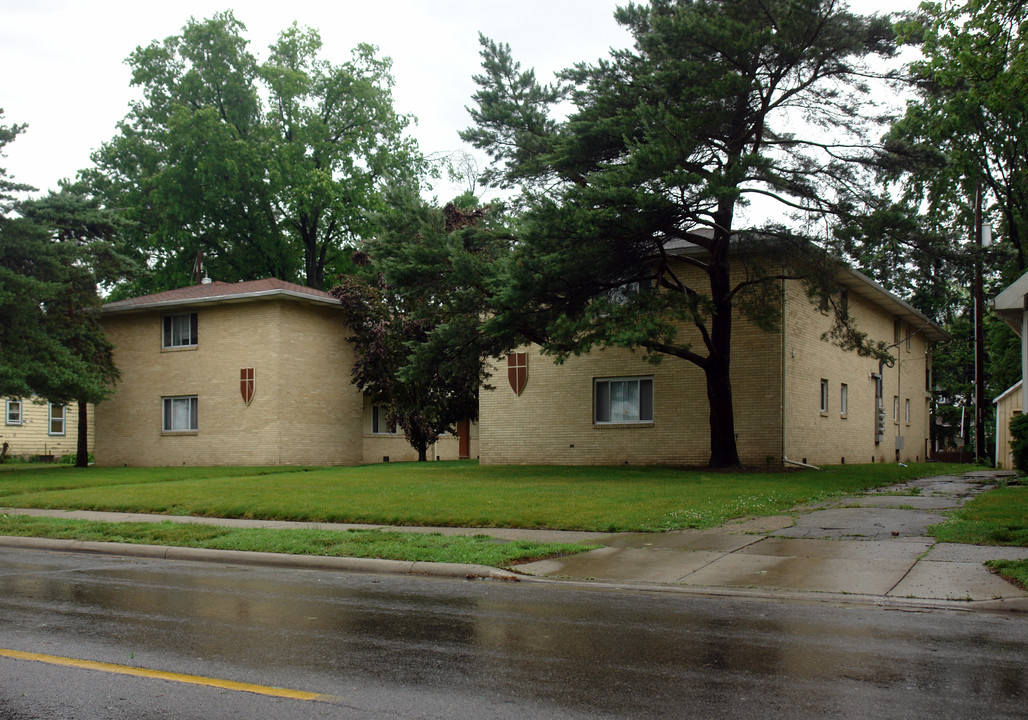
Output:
x=1019 y=441
x=69 y=459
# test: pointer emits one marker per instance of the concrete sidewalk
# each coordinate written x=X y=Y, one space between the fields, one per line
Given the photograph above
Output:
x=871 y=547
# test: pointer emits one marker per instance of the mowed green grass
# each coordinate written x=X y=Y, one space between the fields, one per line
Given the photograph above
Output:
x=407 y=546
x=998 y=517
x=454 y=494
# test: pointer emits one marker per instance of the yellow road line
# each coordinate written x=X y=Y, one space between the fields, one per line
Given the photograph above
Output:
x=162 y=675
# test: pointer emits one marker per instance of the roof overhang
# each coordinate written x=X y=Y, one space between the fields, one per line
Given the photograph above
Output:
x=222 y=299
x=862 y=285
x=1010 y=304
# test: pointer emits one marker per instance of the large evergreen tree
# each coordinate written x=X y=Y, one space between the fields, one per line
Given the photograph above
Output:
x=665 y=143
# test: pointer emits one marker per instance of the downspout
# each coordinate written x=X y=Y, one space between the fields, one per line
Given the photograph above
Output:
x=782 y=399
x=899 y=407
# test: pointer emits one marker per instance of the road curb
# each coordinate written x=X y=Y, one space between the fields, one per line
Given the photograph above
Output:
x=904 y=604
x=248 y=557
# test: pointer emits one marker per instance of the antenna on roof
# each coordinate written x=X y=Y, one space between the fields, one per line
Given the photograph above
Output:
x=199 y=269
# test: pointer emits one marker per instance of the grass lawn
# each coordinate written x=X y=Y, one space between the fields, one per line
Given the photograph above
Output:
x=998 y=517
x=413 y=547
x=1016 y=570
x=458 y=494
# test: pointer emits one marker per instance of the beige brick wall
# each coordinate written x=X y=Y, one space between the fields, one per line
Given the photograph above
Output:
x=551 y=422
x=32 y=437
x=834 y=438
x=304 y=411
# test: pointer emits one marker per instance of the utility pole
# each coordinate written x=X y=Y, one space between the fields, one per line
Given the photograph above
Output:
x=979 y=333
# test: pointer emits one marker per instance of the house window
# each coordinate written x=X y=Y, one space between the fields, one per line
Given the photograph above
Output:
x=906 y=411
x=895 y=408
x=180 y=414
x=844 y=392
x=623 y=400
x=380 y=425
x=180 y=330
x=824 y=395
x=13 y=412
x=57 y=419
x=622 y=293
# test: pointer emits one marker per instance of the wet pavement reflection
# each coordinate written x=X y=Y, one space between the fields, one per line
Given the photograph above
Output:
x=586 y=652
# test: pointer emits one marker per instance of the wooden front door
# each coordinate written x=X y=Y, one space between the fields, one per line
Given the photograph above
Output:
x=463 y=439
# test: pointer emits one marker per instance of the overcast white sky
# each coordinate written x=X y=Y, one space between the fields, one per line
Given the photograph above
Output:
x=64 y=72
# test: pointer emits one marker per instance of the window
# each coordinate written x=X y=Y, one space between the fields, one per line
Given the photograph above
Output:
x=14 y=412
x=844 y=392
x=895 y=408
x=380 y=425
x=180 y=330
x=623 y=400
x=906 y=411
x=622 y=293
x=57 y=419
x=180 y=414
x=824 y=395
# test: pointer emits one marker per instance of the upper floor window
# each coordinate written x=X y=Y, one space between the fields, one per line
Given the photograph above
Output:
x=623 y=400
x=58 y=418
x=13 y=412
x=180 y=330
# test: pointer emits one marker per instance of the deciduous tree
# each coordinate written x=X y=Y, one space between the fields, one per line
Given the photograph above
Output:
x=414 y=306
x=267 y=168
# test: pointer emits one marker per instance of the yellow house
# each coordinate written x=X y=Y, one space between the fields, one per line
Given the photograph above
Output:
x=251 y=373
x=797 y=398
x=1011 y=306
x=34 y=428
x=1008 y=406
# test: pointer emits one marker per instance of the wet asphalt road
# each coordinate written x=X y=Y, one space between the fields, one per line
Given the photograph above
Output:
x=402 y=647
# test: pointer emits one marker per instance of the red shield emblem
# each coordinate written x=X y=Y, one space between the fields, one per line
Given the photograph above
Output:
x=246 y=384
x=517 y=371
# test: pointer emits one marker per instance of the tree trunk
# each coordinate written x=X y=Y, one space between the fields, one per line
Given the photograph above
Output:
x=724 y=452
x=422 y=452
x=82 y=449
